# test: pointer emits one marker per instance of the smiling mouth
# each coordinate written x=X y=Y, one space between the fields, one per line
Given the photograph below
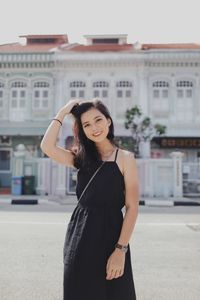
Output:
x=97 y=134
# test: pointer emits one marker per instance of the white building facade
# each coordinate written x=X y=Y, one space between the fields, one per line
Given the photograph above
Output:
x=39 y=77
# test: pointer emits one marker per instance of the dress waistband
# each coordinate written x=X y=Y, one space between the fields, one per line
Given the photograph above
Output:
x=103 y=207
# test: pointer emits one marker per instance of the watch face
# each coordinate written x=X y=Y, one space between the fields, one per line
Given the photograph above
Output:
x=123 y=248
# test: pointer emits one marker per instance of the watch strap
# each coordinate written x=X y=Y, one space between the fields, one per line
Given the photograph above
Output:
x=121 y=247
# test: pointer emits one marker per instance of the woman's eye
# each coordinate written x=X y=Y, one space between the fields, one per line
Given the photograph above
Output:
x=89 y=124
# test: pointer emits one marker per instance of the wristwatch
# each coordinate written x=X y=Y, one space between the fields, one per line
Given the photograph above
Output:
x=122 y=247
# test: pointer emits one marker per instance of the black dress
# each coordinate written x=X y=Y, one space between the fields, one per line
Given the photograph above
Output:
x=92 y=232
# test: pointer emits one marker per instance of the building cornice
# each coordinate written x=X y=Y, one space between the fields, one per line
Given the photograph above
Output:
x=105 y=59
x=25 y=57
x=26 y=60
x=70 y=59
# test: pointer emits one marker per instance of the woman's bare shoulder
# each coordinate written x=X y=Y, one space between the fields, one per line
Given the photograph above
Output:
x=126 y=154
x=124 y=159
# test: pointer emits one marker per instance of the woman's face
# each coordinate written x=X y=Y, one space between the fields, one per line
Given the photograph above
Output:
x=95 y=125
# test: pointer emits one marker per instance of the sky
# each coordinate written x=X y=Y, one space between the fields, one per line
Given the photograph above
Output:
x=145 y=21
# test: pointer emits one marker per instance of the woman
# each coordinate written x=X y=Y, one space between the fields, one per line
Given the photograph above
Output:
x=96 y=253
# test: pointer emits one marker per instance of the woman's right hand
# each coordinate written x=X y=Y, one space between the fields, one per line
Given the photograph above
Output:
x=66 y=109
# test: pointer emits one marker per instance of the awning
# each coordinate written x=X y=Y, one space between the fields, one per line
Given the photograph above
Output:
x=27 y=129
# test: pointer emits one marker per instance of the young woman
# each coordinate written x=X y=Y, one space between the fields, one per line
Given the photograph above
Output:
x=96 y=253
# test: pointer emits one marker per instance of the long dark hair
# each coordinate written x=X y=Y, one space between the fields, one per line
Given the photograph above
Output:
x=85 y=150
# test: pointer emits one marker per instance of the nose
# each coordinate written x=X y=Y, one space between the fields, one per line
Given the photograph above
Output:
x=94 y=128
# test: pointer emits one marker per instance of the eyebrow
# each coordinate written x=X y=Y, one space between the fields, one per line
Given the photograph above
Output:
x=88 y=121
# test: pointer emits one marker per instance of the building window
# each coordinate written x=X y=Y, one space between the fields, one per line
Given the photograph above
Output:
x=100 y=89
x=19 y=84
x=124 y=89
x=41 y=95
x=161 y=84
x=22 y=94
x=160 y=93
x=104 y=93
x=124 y=83
x=41 y=84
x=184 y=101
x=81 y=94
x=36 y=94
x=180 y=93
x=96 y=93
x=100 y=84
x=189 y=93
x=124 y=97
x=77 y=84
x=77 y=94
x=18 y=107
x=1 y=94
x=156 y=93
x=77 y=89
x=119 y=94
x=128 y=94
x=14 y=93
x=184 y=83
x=45 y=94
x=4 y=160
x=165 y=93
x=73 y=94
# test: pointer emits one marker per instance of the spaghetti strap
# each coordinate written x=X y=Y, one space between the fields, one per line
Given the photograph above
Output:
x=116 y=154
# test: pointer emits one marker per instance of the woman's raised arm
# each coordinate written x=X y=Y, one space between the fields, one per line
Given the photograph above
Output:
x=49 y=142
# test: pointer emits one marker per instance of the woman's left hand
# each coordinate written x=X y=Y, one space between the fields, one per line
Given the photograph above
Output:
x=115 y=264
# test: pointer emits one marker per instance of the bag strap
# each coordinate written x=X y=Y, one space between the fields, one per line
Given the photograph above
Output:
x=91 y=180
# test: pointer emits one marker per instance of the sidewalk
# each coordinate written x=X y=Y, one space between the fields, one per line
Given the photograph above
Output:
x=72 y=200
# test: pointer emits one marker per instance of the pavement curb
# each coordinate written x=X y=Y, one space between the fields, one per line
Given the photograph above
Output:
x=23 y=201
x=169 y=203
x=72 y=200
x=158 y=203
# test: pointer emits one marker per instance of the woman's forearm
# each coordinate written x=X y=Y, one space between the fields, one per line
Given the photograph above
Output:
x=51 y=135
x=128 y=225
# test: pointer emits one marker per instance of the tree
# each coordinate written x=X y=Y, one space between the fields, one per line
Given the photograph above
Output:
x=142 y=128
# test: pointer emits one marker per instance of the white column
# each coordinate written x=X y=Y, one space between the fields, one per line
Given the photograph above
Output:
x=61 y=169
x=172 y=96
x=7 y=102
x=149 y=191
x=60 y=98
x=18 y=166
x=177 y=173
x=145 y=149
x=61 y=183
x=195 y=99
x=143 y=90
x=18 y=160
x=29 y=97
x=43 y=176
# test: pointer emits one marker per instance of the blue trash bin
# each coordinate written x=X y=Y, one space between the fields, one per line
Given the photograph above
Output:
x=17 y=184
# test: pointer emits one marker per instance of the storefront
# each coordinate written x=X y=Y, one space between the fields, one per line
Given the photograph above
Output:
x=5 y=170
x=8 y=147
x=163 y=146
